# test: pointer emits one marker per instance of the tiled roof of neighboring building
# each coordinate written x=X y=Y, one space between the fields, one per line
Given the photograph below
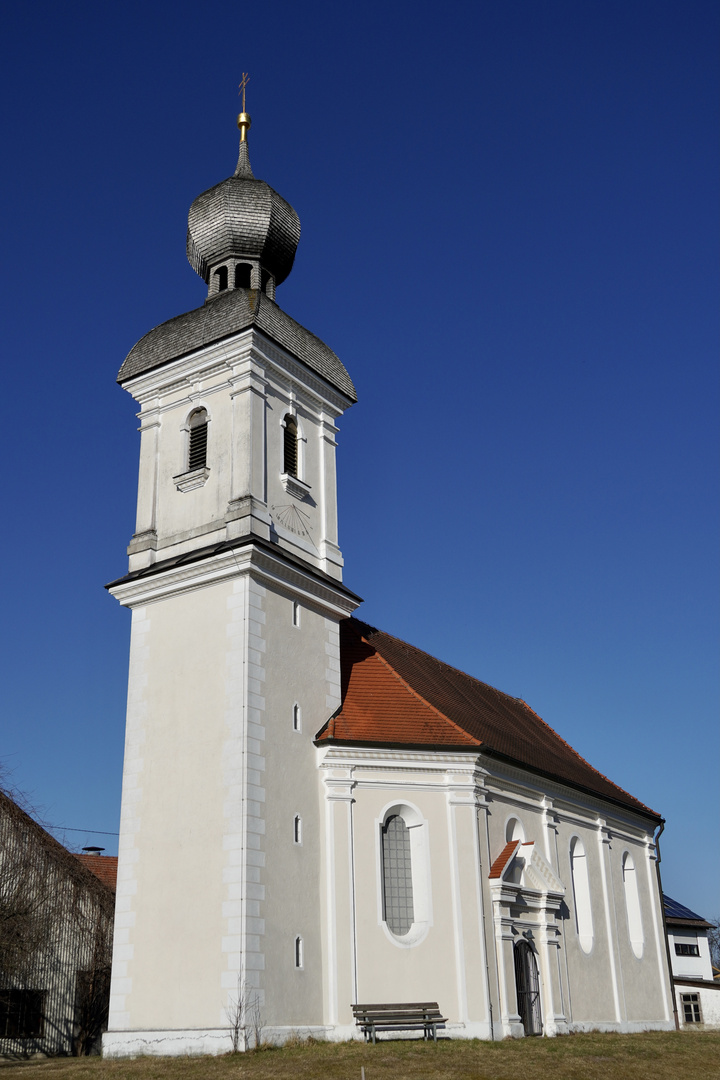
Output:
x=13 y=815
x=396 y=695
x=678 y=913
x=224 y=315
x=102 y=866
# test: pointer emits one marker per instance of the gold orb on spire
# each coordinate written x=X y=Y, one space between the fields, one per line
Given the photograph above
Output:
x=243 y=120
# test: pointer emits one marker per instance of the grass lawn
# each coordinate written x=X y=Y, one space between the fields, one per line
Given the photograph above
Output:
x=649 y=1056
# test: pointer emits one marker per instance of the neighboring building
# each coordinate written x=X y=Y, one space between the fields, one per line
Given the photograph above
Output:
x=55 y=942
x=697 y=994
x=313 y=812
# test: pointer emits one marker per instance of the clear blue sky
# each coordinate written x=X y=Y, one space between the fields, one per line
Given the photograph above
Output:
x=510 y=227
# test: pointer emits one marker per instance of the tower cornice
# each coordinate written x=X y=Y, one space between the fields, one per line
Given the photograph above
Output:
x=228 y=560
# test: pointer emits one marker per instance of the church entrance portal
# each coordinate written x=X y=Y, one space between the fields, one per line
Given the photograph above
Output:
x=527 y=982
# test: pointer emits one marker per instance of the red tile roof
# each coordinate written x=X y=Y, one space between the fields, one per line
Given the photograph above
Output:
x=396 y=695
x=103 y=867
x=503 y=858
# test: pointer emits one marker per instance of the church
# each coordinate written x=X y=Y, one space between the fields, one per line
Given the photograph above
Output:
x=315 y=813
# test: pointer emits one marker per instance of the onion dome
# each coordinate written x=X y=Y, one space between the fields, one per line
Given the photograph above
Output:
x=241 y=232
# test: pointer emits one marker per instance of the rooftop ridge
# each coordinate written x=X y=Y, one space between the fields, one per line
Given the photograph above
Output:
x=584 y=760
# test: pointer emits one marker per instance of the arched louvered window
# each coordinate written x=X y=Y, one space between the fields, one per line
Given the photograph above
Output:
x=399 y=912
x=581 y=894
x=290 y=446
x=197 y=443
x=222 y=278
x=242 y=275
x=632 y=905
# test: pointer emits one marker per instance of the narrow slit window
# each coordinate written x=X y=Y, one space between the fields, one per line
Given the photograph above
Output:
x=197 y=443
x=399 y=912
x=297 y=718
x=297 y=829
x=298 y=952
x=295 y=613
x=290 y=446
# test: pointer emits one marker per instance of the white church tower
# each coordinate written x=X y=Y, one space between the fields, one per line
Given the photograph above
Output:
x=235 y=587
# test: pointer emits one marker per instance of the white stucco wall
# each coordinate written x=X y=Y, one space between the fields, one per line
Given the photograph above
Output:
x=463 y=958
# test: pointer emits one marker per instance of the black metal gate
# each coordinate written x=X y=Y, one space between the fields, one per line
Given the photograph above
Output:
x=527 y=982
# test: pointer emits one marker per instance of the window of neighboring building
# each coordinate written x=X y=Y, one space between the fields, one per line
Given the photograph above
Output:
x=691 y=1008
x=21 y=1014
x=290 y=446
x=581 y=894
x=632 y=905
x=682 y=949
x=197 y=442
x=398 y=907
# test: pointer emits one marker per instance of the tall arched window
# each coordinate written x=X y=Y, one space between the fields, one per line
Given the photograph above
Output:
x=398 y=908
x=197 y=443
x=290 y=446
x=581 y=894
x=632 y=905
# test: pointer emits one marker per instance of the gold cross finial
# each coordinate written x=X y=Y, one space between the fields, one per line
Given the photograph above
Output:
x=241 y=87
x=243 y=119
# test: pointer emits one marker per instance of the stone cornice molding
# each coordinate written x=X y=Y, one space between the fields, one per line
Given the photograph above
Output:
x=577 y=801
x=372 y=758
x=224 y=356
x=265 y=567
x=286 y=364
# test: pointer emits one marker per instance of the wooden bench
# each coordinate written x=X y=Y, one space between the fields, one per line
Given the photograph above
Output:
x=422 y=1016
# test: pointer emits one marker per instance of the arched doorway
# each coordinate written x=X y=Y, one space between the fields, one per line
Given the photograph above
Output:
x=527 y=982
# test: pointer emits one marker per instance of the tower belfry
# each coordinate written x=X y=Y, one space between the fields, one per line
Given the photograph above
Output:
x=235 y=587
